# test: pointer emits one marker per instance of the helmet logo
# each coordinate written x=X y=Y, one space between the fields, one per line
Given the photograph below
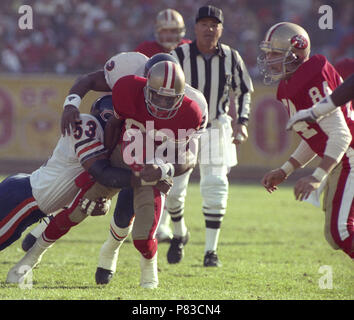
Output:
x=110 y=65
x=299 y=42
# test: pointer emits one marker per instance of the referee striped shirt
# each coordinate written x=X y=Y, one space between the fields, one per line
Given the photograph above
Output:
x=218 y=77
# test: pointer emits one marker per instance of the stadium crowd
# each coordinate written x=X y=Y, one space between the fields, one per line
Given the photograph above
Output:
x=77 y=36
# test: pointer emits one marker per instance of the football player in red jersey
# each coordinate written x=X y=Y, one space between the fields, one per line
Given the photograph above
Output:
x=169 y=33
x=305 y=80
x=342 y=95
x=157 y=107
x=148 y=200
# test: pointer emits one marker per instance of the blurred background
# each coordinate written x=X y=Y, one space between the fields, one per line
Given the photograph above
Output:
x=73 y=37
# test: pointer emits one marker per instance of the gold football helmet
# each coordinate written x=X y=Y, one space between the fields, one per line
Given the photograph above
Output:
x=285 y=47
x=164 y=90
x=169 y=28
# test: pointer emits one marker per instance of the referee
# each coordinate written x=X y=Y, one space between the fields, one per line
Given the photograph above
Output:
x=220 y=74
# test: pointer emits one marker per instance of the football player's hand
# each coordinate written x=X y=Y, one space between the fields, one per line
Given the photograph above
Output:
x=304 y=186
x=272 y=178
x=150 y=173
x=302 y=115
x=240 y=134
x=95 y=208
x=70 y=115
x=163 y=185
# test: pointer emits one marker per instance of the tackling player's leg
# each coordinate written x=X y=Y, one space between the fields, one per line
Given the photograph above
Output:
x=32 y=236
x=58 y=227
x=19 y=208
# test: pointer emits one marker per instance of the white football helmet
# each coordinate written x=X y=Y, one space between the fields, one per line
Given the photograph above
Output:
x=285 y=47
x=164 y=90
x=169 y=28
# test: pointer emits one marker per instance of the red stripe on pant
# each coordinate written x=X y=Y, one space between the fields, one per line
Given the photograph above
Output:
x=16 y=210
x=148 y=247
x=347 y=244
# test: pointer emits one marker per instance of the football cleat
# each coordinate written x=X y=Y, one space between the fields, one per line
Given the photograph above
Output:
x=23 y=268
x=211 y=259
x=176 y=251
x=103 y=276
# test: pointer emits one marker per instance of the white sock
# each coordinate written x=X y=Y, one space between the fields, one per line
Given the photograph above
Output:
x=109 y=253
x=37 y=231
x=211 y=239
x=179 y=228
x=149 y=272
x=110 y=249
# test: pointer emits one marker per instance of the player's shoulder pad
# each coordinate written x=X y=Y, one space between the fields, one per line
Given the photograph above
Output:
x=311 y=68
x=129 y=83
x=197 y=96
x=193 y=111
x=308 y=73
x=123 y=64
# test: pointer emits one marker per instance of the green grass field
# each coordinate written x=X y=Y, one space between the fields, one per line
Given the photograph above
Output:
x=271 y=247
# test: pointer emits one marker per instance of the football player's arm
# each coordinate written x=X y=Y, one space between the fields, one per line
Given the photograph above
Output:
x=92 y=81
x=112 y=133
x=339 y=138
x=102 y=171
x=299 y=158
x=340 y=96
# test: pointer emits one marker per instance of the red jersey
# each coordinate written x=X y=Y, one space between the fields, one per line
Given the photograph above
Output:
x=345 y=67
x=129 y=105
x=149 y=48
x=309 y=84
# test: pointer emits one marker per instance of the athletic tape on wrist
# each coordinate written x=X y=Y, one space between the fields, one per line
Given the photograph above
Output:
x=319 y=174
x=288 y=168
x=72 y=99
